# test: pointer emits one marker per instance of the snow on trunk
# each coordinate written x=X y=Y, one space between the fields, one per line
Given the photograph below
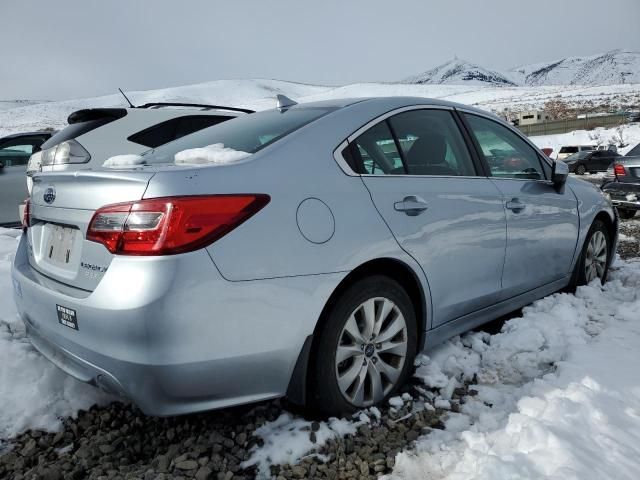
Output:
x=216 y=153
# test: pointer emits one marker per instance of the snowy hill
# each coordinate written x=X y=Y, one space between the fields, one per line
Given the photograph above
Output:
x=7 y=104
x=456 y=72
x=260 y=94
x=609 y=68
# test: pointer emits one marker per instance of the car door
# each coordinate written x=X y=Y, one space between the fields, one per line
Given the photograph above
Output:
x=425 y=184
x=595 y=161
x=542 y=220
x=14 y=155
x=607 y=157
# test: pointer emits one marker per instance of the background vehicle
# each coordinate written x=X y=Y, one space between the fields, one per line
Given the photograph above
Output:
x=622 y=183
x=96 y=134
x=344 y=237
x=567 y=150
x=590 y=161
x=15 y=151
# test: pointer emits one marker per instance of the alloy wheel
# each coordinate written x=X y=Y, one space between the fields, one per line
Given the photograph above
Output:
x=371 y=352
x=596 y=260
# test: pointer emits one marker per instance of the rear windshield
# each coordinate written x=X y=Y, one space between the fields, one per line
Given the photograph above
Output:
x=248 y=133
x=635 y=151
x=568 y=149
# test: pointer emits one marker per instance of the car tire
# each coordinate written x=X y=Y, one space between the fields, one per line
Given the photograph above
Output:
x=592 y=263
x=626 y=214
x=369 y=371
x=580 y=170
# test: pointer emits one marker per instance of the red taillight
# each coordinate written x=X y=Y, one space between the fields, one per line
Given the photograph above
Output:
x=26 y=215
x=618 y=169
x=166 y=226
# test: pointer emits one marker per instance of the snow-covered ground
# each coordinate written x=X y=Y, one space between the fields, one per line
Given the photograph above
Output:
x=558 y=392
x=604 y=136
x=260 y=94
x=33 y=392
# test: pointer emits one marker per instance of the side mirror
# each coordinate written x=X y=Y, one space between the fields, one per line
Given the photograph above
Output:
x=1 y=165
x=559 y=173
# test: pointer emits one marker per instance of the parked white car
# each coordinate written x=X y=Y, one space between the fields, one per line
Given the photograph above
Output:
x=568 y=150
x=96 y=134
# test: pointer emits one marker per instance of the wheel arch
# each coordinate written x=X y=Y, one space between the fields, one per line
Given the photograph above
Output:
x=612 y=229
x=390 y=267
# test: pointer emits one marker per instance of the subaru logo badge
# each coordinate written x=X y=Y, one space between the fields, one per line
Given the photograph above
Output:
x=49 y=195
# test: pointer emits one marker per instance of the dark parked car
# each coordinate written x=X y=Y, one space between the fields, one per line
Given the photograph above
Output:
x=591 y=161
x=622 y=183
x=15 y=151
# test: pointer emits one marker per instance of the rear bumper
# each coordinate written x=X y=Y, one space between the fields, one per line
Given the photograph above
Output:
x=177 y=338
x=623 y=194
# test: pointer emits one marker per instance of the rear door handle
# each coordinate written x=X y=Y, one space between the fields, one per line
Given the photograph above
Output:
x=515 y=205
x=412 y=205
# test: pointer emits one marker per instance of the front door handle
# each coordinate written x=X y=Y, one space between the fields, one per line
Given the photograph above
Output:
x=411 y=205
x=515 y=205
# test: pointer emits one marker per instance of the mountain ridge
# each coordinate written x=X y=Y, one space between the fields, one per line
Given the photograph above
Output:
x=609 y=68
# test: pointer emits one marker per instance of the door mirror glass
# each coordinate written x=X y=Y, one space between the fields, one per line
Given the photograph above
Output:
x=560 y=172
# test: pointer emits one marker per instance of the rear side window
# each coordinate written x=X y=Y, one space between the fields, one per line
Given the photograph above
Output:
x=431 y=143
x=247 y=133
x=417 y=142
x=377 y=153
x=507 y=155
x=173 y=129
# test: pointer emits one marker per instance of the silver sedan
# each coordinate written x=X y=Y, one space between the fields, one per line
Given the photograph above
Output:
x=309 y=251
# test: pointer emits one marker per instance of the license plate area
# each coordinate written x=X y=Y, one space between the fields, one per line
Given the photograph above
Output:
x=59 y=245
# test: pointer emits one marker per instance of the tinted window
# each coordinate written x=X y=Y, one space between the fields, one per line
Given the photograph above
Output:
x=84 y=121
x=16 y=152
x=568 y=150
x=173 y=129
x=506 y=153
x=376 y=153
x=247 y=133
x=431 y=143
x=577 y=156
x=635 y=151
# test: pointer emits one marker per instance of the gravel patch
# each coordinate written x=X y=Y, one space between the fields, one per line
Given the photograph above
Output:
x=119 y=442
x=629 y=242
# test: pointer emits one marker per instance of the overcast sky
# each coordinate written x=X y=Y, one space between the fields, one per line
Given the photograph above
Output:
x=77 y=48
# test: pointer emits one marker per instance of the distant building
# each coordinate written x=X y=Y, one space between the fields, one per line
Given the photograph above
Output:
x=533 y=117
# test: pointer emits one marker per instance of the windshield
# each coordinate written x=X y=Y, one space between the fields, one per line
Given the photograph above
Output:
x=248 y=133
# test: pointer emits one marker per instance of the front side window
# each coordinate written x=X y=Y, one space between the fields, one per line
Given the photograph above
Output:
x=417 y=142
x=507 y=155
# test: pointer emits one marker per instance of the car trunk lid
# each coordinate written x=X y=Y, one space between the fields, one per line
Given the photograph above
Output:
x=61 y=207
